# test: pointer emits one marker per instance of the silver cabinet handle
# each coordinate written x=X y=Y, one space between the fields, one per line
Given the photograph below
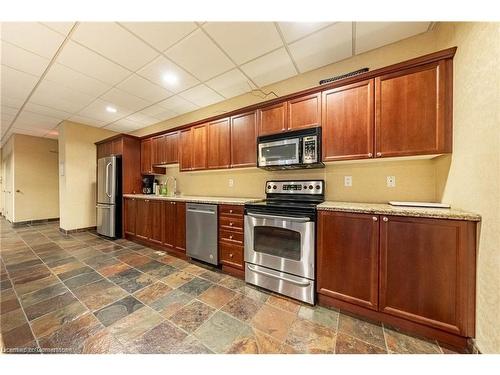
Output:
x=289 y=218
x=375 y=218
x=385 y=219
x=300 y=283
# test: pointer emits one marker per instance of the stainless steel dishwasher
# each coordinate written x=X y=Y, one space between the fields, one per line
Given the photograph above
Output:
x=201 y=232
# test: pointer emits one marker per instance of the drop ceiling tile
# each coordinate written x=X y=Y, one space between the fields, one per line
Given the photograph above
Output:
x=16 y=84
x=201 y=95
x=244 y=41
x=60 y=27
x=199 y=56
x=4 y=110
x=88 y=121
x=158 y=112
x=324 y=47
x=113 y=41
x=178 y=105
x=160 y=35
x=142 y=118
x=46 y=111
x=294 y=30
x=142 y=88
x=65 y=76
x=20 y=59
x=30 y=131
x=33 y=37
x=229 y=84
x=11 y=102
x=371 y=35
x=270 y=68
x=29 y=120
x=90 y=63
x=53 y=95
x=161 y=66
x=97 y=110
x=120 y=98
x=6 y=119
x=124 y=126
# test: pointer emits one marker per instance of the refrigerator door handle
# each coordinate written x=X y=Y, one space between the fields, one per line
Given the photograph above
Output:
x=107 y=179
x=107 y=207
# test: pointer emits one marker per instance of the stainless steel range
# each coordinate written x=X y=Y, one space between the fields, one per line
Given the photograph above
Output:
x=280 y=238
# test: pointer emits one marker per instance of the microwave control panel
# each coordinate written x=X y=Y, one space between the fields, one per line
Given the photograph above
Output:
x=310 y=149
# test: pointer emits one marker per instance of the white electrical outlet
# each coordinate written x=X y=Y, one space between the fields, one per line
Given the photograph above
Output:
x=348 y=181
x=230 y=182
x=391 y=181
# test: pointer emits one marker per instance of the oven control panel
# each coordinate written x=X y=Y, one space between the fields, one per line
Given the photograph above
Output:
x=315 y=187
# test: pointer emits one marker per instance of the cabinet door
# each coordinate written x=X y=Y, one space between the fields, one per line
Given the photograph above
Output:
x=304 y=112
x=180 y=226
x=142 y=222
x=158 y=152
x=116 y=146
x=219 y=144
x=155 y=217
x=103 y=150
x=347 y=131
x=199 y=148
x=413 y=111
x=427 y=272
x=172 y=148
x=244 y=140
x=185 y=152
x=169 y=224
x=273 y=119
x=348 y=257
x=129 y=215
x=146 y=167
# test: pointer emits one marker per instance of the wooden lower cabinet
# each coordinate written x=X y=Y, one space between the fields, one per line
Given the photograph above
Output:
x=348 y=257
x=129 y=215
x=414 y=273
x=231 y=253
x=155 y=221
x=142 y=226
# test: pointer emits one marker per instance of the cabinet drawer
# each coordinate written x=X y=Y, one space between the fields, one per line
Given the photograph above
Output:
x=231 y=255
x=230 y=223
x=232 y=237
x=228 y=210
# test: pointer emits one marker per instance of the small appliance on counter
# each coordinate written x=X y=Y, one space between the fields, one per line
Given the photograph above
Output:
x=109 y=193
x=280 y=238
x=147 y=184
x=298 y=149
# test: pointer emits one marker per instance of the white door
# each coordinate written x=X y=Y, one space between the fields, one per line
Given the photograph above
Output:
x=7 y=186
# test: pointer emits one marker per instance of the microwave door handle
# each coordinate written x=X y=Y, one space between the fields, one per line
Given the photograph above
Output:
x=288 y=218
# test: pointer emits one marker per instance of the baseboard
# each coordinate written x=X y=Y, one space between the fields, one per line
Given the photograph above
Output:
x=78 y=230
x=18 y=224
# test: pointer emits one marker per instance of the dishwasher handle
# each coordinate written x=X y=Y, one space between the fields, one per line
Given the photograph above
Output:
x=202 y=211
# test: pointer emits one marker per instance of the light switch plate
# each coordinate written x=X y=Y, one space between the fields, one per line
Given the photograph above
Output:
x=230 y=182
x=391 y=181
x=348 y=181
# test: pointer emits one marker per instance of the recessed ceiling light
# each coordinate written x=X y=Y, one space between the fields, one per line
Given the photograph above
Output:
x=170 y=78
x=111 y=109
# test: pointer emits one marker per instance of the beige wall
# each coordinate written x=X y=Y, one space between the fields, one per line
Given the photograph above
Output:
x=29 y=171
x=77 y=188
x=35 y=176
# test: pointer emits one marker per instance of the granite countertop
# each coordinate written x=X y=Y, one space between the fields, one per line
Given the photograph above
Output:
x=387 y=209
x=195 y=199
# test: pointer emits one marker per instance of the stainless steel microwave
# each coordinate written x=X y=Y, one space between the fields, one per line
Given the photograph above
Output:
x=292 y=150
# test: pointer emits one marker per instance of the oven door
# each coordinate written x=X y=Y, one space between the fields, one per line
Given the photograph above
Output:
x=281 y=152
x=283 y=243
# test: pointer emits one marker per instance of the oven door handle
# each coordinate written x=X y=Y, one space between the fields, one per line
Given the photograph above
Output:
x=299 y=283
x=288 y=218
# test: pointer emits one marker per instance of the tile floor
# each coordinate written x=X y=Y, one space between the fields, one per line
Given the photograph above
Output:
x=80 y=293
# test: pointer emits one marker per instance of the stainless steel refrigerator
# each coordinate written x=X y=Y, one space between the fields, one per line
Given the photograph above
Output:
x=109 y=196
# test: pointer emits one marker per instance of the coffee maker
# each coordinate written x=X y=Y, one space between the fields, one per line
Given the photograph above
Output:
x=147 y=184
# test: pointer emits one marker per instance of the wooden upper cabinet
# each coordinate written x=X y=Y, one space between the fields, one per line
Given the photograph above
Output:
x=273 y=119
x=158 y=150
x=199 y=148
x=413 y=111
x=117 y=146
x=146 y=154
x=304 y=112
x=103 y=149
x=348 y=130
x=244 y=140
x=348 y=257
x=172 y=148
x=185 y=150
x=427 y=271
x=219 y=144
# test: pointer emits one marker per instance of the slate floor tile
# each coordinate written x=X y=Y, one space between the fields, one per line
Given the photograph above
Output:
x=19 y=337
x=320 y=315
x=29 y=299
x=117 y=310
x=346 y=344
x=307 y=337
x=51 y=322
x=242 y=307
x=216 y=296
x=99 y=294
x=161 y=339
x=273 y=321
x=219 y=332
x=152 y=292
x=196 y=286
x=135 y=324
x=253 y=341
x=82 y=279
x=191 y=345
x=191 y=316
x=171 y=303
x=403 y=344
x=11 y=320
x=177 y=279
x=48 y=305
x=363 y=330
